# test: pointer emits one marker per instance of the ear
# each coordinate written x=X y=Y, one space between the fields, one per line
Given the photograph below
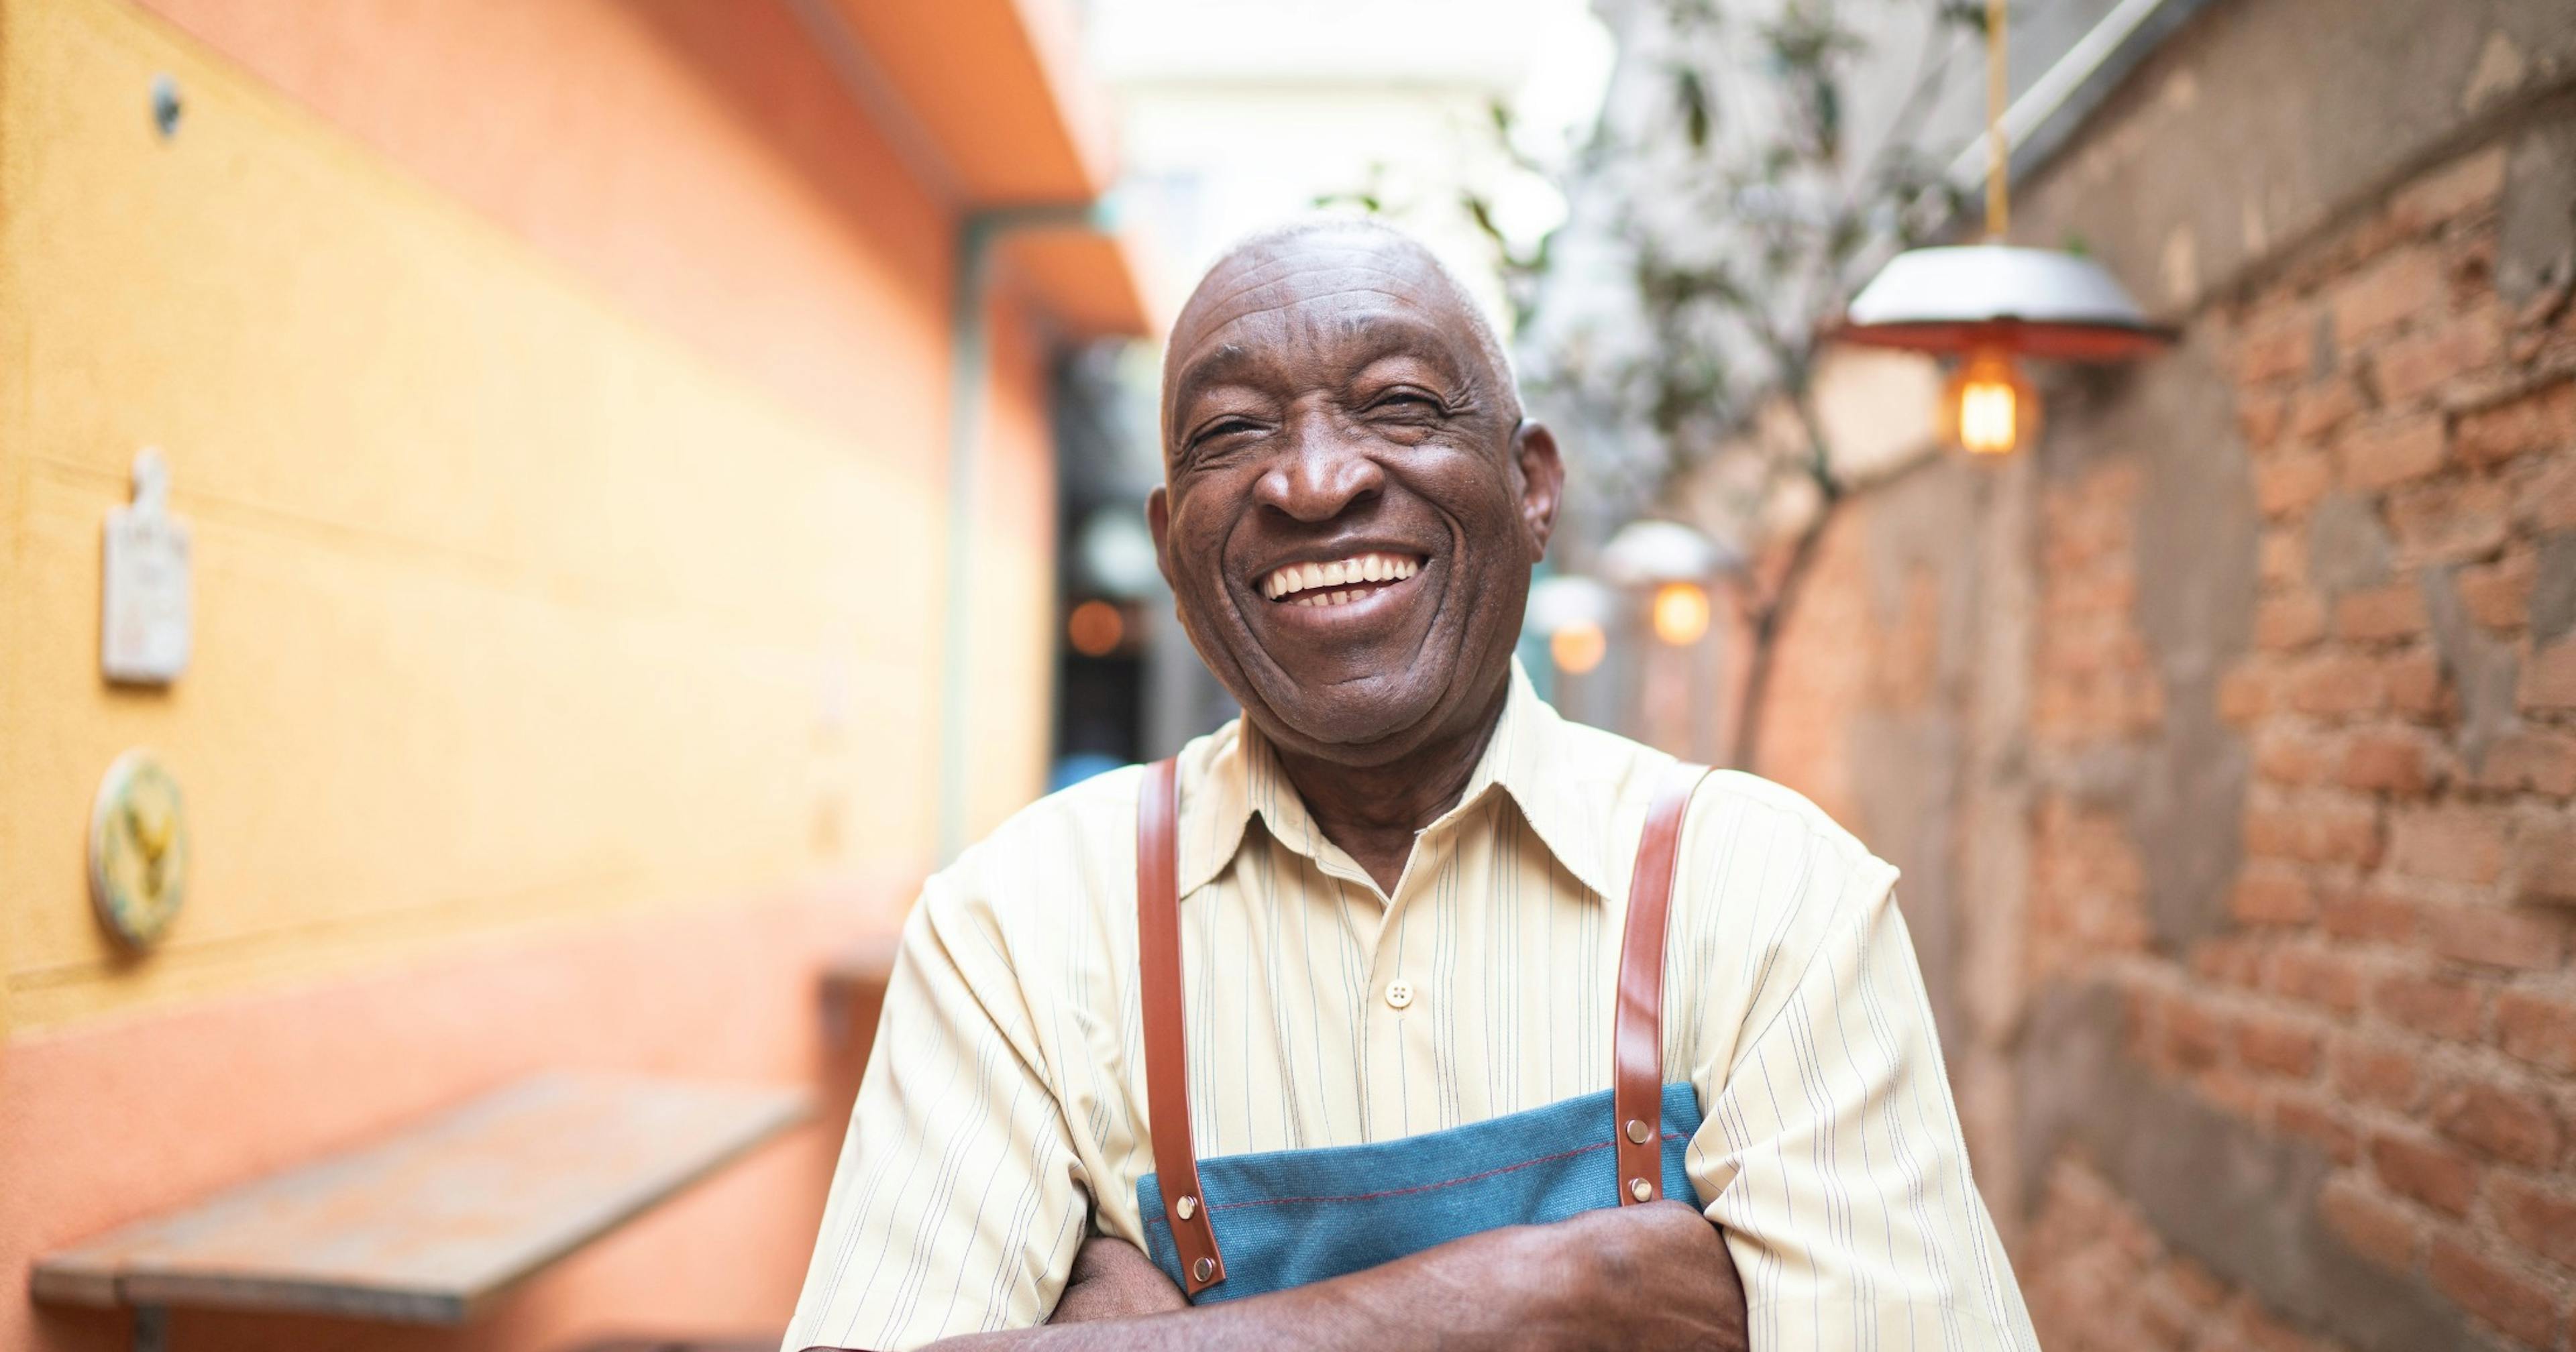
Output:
x=1158 y=518
x=1542 y=475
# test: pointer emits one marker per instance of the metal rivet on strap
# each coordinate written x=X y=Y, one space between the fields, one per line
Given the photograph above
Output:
x=1187 y=1207
x=1203 y=1269
x=1637 y=1188
x=1637 y=1131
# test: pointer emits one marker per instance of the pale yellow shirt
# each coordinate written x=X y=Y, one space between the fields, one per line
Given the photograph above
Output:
x=1003 y=1114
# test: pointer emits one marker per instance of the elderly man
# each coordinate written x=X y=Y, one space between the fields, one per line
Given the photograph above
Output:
x=1399 y=1013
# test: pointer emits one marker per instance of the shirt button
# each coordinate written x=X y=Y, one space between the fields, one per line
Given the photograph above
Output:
x=1399 y=993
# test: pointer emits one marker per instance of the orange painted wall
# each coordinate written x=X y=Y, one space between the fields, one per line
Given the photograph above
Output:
x=498 y=761
x=698 y=161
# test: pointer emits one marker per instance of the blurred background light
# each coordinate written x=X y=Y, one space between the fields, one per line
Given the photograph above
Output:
x=1095 y=628
x=1680 y=613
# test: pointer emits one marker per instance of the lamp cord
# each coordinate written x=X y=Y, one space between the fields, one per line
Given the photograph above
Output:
x=1998 y=152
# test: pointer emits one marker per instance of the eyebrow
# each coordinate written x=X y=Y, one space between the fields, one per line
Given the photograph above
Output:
x=1382 y=334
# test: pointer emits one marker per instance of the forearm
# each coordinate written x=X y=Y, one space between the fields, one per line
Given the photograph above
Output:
x=1475 y=1293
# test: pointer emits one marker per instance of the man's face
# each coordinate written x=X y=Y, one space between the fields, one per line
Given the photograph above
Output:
x=1352 y=504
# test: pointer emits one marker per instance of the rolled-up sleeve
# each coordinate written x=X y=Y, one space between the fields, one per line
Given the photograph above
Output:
x=957 y=1206
x=1832 y=1152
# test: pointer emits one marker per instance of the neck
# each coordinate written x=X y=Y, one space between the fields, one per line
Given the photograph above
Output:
x=1374 y=811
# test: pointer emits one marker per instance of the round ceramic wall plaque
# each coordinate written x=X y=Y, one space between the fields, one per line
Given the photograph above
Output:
x=138 y=850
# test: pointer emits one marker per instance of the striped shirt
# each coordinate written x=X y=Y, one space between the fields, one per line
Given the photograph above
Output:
x=1003 y=1118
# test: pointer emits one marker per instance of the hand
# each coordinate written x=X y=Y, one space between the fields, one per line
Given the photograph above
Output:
x=1113 y=1279
x=1648 y=1278
x=1662 y=1275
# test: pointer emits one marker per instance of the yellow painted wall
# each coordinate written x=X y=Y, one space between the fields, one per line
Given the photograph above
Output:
x=512 y=608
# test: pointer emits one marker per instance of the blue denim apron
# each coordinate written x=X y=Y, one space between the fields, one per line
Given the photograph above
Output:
x=1241 y=1225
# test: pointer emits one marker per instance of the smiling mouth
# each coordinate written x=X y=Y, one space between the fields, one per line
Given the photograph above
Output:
x=1340 y=582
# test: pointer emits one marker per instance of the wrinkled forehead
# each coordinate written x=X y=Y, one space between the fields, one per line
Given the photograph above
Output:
x=1270 y=309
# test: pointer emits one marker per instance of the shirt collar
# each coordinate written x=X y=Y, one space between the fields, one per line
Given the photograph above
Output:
x=1531 y=757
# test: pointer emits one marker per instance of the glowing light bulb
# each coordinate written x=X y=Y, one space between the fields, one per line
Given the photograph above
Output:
x=1095 y=628
x=1680 y=613
x=1578 y=648
x=1989 y=408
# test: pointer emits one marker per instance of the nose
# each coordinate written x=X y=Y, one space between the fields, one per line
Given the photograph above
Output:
x=1319 y=475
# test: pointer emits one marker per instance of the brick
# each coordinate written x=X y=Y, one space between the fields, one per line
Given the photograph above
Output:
x=2499 y=1294
x=2381 y=1073
x=2319 y=408
x=2380 y=455
x=2541 y=1221
x=2260 y=418
x=2382 y=613
x=2303 y=1116
x=2374 y=1228
x=2532 y=758
x=2291 y=482
x=2240 y=1094
x=2442 y=1008
x=2278 y=1045
x=2544 y=862
x=2449 y=522
x=2470 y=184
x=2537 y=1029
x=2416 y=365
x=2289 y=622
x=2245 y=693
x=2434 y=1174
x=2340 y=683
x=2385 y=762
x=2405 y=284
x=2283 y=345
x=2272 y=898
x=2285 y=756
x=2283 y=557
x=2542 y=420
x=2230 y=962
x=2517 y=938
x=2498 y=595
x=2193 y=1038
x=2366 y=915
x=2417 y=687
x=2314 y=833
x=2316 y=976
x=2456 y=844
x=2500 y=1120
x=2549 y=680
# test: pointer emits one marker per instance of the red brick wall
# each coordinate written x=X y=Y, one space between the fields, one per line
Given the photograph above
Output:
x=2390 y=981
x=2396 y=987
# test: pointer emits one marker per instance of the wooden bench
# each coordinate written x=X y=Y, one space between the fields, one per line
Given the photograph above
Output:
x=432 y=1225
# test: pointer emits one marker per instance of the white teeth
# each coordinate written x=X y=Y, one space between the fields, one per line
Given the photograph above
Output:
x=1319 y=580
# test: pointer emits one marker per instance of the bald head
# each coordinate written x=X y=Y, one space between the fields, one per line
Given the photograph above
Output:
x=1317 y=245
x=1351 y=499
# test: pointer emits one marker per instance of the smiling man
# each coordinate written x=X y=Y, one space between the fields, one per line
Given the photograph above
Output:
x=1399 y=1013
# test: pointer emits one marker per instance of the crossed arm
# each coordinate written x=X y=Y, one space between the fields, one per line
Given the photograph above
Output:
x=1648 y=1278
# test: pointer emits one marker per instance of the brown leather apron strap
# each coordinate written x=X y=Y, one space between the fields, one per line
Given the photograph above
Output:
x=1637 y=1032
x=1167 y=1057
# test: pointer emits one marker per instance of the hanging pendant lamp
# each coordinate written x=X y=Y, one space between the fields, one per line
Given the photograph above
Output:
x=1987 y=304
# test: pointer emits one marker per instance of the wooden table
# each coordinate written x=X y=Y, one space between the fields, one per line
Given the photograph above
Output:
x=433 y=1224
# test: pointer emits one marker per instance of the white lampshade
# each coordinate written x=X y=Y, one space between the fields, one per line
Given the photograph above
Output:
x=1987 y=297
